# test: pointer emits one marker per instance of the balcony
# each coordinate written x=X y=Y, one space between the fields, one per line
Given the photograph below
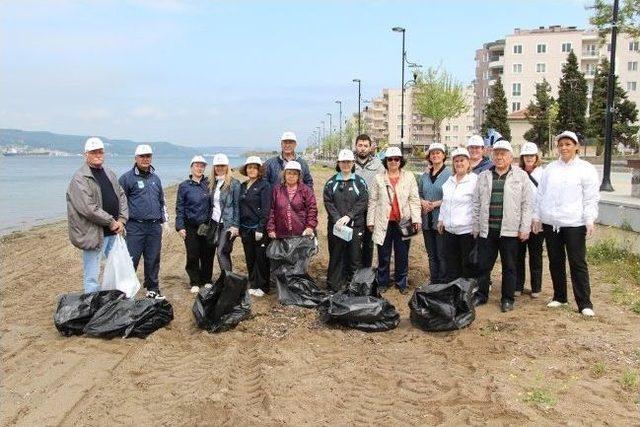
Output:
x=590 y=54
x=496 y=62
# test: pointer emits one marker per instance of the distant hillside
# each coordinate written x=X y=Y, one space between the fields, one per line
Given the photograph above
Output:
x=122 y=147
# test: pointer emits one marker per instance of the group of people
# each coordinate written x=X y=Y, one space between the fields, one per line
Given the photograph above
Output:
x=480 y=206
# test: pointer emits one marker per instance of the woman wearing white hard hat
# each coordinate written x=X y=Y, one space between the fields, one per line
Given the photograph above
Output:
x=294 y=211
x=225 y=218
x=393 y=217
x=531 y=164
x=255 y=201
x=566 y=209
x=430 y=190
x=345 y=199
x=455 y=221
x=193 y=204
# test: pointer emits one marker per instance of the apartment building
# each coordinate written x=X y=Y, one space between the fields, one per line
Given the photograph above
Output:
x=526 y=57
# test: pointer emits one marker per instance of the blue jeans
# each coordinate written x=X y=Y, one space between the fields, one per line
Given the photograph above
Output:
x=91 y=264
x=393 y=241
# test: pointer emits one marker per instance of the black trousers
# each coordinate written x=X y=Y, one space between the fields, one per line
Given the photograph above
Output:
x=569 y=242
x=255 y=253
x=489 y=248
x=367 y=248
x=534 y=244
x=434 y=245
x=345 y=258
x=456 y=250
x=199 y=257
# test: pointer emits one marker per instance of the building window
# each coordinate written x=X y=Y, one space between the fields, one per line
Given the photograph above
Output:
x=591 y=50
x=590 y=70
x=515 y=106
x=447 y=138
x=517 y=68
x=455 y=128
x=542 y=48
x=632 y=65
x=517 y=49
x=634 y=46
x=455 y=137
x=516 y=89
x=469 y=127
x=566 y=47
x=541 y=67
x=632 y=86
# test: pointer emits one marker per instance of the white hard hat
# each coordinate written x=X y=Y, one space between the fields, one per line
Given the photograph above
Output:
x=346 y=155
x=253 y=160
x=475 y=141
x=293 y=165
x=393 y=152
x=288 y=136
x=220 y=159
x=503 y=145
x=93 y=143
x=529 y=148
x=568 y=134
x=197 y=159
x=460 y=151
x=143 y=149
x=437 y=146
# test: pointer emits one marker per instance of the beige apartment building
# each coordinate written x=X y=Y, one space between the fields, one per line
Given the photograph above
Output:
x=526 y=57
x=382 y=117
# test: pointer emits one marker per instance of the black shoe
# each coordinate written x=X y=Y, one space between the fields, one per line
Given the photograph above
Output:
x=478 y=300
x=506 y=306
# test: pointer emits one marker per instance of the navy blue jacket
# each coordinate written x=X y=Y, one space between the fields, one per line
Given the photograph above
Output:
x=144 y=195
x=274 y=166
x=255 y=203
x=193 y=203
x=346 y=197
x=484 y=165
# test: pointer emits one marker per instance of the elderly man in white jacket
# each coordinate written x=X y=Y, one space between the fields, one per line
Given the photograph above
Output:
x=566 y=210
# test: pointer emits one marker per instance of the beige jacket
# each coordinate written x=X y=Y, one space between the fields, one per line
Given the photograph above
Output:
x=380 y=203
x=517 y=203
x=84 y=208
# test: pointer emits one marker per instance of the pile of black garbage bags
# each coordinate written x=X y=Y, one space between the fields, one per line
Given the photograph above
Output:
x=225 y=305
x=445 y=306
x=109 y=314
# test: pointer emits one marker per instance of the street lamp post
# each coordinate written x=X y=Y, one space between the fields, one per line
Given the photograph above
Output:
x=608 y=121
x=404 y=55
x=340 y=122
x=359 y=97
x=330 y=124
x=324 y=130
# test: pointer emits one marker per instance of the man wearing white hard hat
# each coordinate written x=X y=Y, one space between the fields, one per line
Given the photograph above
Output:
x=274 y=167
x=430 y=190
x=502 y=210
x=345 y=199
x=96 y=211
x=255 y=202
x=479 y=162
x=147 y=213
x=531 y=164
x=566 y=210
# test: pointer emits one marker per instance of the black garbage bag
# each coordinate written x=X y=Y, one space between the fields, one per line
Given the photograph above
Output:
x=225 y=305
x=129 y=318
x=76 y=309
x=444 y=307
x=360 y=306
x=299 y=289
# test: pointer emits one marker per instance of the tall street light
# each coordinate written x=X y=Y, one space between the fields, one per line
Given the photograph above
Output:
x=340 y=121
x=324 y=130
x=330 y=123
x=608 y=120
x=404 y=56
x=359 y=96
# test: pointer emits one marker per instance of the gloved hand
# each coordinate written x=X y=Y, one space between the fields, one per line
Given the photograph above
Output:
x=308 y=232
x=259 y=236
x=234 y=231
x=343 y=221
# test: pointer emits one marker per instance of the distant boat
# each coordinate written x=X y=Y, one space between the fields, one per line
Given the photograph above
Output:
x=10 y=152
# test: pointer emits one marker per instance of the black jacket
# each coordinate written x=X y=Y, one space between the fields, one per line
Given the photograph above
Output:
x=346 y=197
x=193 y=203
x=255 y=203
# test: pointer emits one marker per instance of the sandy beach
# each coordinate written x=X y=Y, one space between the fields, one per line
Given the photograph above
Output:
x=283 y=366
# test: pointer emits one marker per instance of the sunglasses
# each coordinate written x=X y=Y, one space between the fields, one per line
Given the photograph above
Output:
x=394 y=159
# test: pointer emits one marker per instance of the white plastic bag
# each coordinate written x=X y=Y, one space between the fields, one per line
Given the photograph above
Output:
x=119 y=273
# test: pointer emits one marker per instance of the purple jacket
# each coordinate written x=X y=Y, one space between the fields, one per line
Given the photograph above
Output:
x=289 y=219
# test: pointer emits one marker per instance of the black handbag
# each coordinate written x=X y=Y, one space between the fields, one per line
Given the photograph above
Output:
x=213 y=233
x=405 y=224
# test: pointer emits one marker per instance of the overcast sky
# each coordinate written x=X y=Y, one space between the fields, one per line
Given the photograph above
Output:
x=231 y=72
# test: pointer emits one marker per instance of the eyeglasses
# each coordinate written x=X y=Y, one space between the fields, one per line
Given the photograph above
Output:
x=394 y=159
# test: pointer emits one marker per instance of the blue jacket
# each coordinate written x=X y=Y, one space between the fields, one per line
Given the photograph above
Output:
x=230 y=201
x=432 y=191
x=484 y=165
x=255 y=203
x=144 y=195
x=193 y=203
x=274 y=166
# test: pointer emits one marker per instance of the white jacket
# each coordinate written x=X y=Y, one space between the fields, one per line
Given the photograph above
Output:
x=456 y=211
x=537 y=174
x=568 y=194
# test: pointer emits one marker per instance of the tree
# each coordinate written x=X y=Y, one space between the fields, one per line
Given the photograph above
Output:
x=572 y=97
x=537 y=114
x=439 y=96
x=628 y=18
x=624 y=111
x=496 y=112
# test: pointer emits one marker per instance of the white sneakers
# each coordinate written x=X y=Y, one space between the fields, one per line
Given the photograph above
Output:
x=256 y=292
x=208 y=286
x=587 y=312
x=195 y=289
x=556 y=304
x=535 y=294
